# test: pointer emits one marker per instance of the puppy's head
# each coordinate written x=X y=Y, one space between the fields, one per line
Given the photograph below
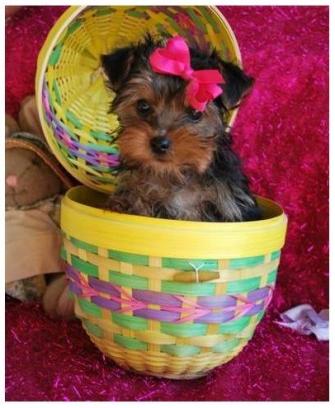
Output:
x=161 y=133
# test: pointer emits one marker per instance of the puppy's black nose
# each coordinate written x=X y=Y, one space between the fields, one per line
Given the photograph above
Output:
x=160 y=144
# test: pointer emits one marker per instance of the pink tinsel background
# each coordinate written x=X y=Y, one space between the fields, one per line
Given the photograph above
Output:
x=282 y=135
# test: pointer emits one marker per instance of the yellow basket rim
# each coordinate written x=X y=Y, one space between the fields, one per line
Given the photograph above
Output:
x=171 y=238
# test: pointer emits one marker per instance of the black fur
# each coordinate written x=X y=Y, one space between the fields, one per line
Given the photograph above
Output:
x=226 y=169
x=117 y=66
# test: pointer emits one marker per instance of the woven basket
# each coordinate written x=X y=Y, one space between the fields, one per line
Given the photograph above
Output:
x=168 y=298
x=72 y=97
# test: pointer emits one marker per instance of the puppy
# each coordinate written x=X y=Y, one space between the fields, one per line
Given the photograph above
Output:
x=176 y=150
x=177 y=154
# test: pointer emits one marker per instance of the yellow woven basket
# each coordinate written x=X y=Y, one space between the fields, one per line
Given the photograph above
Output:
x=168 y=298
x=72 y=98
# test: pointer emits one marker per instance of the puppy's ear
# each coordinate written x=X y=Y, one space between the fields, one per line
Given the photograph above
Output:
x=237 y=84
x=117 y=66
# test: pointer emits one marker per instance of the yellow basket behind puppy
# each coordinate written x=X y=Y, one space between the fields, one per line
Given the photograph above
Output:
x=169 y=298
x=72 y=97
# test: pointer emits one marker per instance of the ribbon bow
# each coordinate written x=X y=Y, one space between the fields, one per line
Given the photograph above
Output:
x=174 y=59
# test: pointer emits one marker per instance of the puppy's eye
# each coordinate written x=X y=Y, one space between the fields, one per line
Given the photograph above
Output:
x=194 y=115
x=143 y=107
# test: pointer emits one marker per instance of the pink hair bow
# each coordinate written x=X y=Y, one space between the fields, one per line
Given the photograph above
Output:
x=174 y=59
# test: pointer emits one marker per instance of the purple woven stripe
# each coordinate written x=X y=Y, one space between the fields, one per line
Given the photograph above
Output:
x=75 y=288
x=46 y=102
x=93 y=156
x=58 y=127
x=106 y=303
x=171 y=307
x=255 y=309
x=216 y=317
x=103 y=286
x=156 y=298
x=92 y=159
x=72 y=273
x=258 y=294
x=157 y=315
x=216 y=301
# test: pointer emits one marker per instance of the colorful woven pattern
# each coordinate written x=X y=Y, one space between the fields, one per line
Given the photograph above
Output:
x=72 y=96
x=167 y=316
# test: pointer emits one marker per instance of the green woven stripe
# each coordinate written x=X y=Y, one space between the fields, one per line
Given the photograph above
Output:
x=161 y=29
x=184 y=329
x=71 y=117
x=235 y=326
x=188 y=289
x=56 y=90
x=129 y=258
x=185 y=264
x=102 y=148
x=129 y=281
x=104 y=11
x=63 y=253
x=74 y=26
x=85 y=267
x=226 y=346
x=174 y=263
x=54 y=57
x=130 y=322
x=210 y=19
x=72 y=135
x=89 y=308
x=84 y=245
x=245 y=285
x=272 y=277
x=92 y=328
x=137 y=14
x=100 y=135
x=102 y=169
x=198 y=22
x=246 y=262
x=275 y=255
x=129 y=342
x=175 y=26
x=180 y=350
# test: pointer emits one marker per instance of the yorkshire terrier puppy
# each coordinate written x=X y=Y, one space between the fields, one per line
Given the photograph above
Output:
x=177 y=154
x=175 y=145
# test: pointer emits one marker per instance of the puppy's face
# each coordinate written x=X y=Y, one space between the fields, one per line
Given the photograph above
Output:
x=161 y=133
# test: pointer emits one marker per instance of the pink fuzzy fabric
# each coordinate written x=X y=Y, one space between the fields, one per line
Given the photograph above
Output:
x=282 y=135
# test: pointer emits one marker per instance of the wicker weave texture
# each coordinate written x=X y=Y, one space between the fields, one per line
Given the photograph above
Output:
x=168 y=316
x=157 y=319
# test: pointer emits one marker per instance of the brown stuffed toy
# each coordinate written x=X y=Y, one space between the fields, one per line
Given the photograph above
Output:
x=29 y=178
x=35 y=183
